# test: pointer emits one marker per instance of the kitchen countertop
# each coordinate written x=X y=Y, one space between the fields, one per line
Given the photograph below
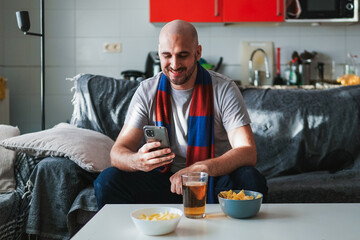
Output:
x=317 y=86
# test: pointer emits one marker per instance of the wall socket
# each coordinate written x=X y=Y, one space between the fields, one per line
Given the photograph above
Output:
x=112 y=47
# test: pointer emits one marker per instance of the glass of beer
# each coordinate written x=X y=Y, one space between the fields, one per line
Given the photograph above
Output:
x=194 y=186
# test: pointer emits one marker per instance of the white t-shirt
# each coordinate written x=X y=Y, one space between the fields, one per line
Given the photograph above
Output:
x=229 y=113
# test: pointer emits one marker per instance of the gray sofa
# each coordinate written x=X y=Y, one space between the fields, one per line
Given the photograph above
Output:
x=308 y=144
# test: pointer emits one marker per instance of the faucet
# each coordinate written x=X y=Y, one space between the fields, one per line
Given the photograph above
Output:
x=257 y=73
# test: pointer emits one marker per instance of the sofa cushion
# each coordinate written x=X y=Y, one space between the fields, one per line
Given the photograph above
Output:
x=320 y=187
x=299 y=130
x=7 y=159
x=89 y=149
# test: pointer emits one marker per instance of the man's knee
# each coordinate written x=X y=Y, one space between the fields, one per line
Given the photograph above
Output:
x=102 y=185
x=246 y=172
x=249 y=178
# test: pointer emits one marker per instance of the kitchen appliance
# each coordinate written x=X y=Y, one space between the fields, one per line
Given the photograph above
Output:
x=152 y=67
x=306 y=66
x=322 y=10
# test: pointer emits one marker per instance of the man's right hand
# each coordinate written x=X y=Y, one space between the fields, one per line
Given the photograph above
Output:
x=149 y=159
x=127 y=156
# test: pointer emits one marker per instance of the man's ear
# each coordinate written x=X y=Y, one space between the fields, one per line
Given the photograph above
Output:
x=198 y=52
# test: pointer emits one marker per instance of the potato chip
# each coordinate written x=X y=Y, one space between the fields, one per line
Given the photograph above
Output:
x=159 y=216
x=237 y=196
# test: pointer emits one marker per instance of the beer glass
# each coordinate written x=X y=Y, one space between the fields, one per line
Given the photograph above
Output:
x=194 y=187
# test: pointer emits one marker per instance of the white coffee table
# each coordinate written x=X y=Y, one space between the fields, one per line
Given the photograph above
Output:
x=274 y=221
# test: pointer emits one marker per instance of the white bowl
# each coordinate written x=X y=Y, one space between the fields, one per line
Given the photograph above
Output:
x=159 y=227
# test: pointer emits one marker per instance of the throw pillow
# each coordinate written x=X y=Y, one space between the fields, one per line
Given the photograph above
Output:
x=7 y=160
x=87 y=148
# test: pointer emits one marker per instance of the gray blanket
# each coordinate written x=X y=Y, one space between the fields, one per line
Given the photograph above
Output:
x=299 y=131
x=57 y=194
x=101 y=103
x=14 y=206
x=63 y=197
x=308 y=143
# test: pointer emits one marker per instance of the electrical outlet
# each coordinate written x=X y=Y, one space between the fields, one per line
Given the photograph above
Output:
x=112 y=47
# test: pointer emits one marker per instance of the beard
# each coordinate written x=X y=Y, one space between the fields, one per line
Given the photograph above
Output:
x=181 y=80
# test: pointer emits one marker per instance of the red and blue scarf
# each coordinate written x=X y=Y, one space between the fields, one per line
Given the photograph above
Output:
x=201 y=120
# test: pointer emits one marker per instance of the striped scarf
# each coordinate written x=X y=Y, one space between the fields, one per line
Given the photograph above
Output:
x=201 y=120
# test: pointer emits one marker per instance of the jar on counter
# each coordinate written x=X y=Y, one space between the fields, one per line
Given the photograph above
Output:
x=351 y=64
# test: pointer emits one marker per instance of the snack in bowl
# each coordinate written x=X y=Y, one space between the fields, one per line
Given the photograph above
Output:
x=240 y=203
x=156 y=220
x=159 y=216
x=237 y=196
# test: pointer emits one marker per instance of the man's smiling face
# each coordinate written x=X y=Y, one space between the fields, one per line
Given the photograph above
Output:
x=179 y=53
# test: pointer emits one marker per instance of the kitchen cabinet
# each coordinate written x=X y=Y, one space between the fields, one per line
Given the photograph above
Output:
x=253 y=11
x=217 y=10
x=188 y=10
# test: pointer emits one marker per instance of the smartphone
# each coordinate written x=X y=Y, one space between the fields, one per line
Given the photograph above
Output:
x=155 y=133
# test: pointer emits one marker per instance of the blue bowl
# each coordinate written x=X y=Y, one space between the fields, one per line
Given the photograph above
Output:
x=241 y=208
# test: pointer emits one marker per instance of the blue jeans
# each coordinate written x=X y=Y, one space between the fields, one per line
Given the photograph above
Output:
x=114 y=186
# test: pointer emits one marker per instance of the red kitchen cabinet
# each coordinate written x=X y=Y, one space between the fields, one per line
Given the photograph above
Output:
x=253 y=11
x=217 y=10
x=188 y=10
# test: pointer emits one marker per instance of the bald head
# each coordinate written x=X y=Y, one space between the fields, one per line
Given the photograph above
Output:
x=181 y=29
x=179 y=52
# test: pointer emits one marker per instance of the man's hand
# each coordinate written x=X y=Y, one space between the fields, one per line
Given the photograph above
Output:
x=149 y=159
x=175 y=179
x=243 y=153
x=126 y=156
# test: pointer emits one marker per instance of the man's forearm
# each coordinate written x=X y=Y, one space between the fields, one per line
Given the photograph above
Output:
x=229 y=161
x=222 y=165
x=122 y=159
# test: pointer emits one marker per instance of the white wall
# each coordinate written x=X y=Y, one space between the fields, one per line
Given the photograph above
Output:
x=76 y=31
x=1 y=41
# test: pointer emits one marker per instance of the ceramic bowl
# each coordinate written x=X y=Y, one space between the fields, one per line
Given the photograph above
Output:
x=159 y=227
x=241 y=208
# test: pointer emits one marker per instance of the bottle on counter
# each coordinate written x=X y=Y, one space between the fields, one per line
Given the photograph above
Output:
x=278 y=80
x=294 y=75
x=320 y=67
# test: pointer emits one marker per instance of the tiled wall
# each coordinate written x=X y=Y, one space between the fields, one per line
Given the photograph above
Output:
x=76 y=31
x=1 y=42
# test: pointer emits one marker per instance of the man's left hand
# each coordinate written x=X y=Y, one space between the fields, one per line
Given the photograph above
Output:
x=175 y=179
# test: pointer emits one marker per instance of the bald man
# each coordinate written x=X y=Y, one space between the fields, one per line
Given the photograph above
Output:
x=140 y=174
